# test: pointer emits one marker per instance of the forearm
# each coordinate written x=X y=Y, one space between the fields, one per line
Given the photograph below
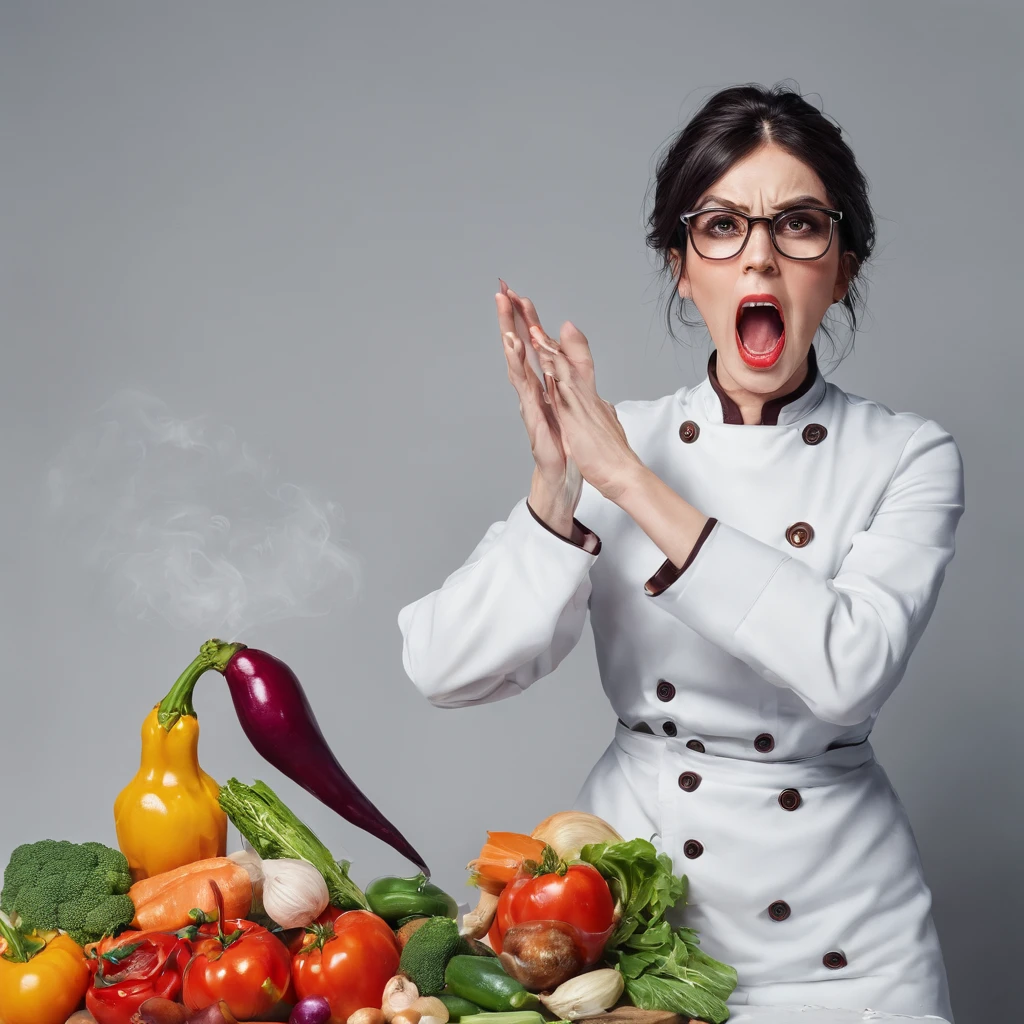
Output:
x=671 y=522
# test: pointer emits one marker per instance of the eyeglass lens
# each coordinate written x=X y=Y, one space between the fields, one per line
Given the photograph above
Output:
x=803 y=234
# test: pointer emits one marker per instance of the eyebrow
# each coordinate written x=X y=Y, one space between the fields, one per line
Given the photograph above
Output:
x=796 y=201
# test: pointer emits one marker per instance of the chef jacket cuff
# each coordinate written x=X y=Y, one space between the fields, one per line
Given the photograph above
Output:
x=581 y=537
x=669 y=572
x=727 y=575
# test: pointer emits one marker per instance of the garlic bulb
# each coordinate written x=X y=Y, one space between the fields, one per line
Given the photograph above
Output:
x=250 y=860
x=569 y=831
x=294 y=892
x=586 y=995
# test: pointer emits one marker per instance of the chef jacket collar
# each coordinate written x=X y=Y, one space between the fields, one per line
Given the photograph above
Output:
x=776 y=411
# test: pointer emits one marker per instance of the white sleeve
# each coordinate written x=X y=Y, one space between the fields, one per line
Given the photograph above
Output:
x=840 y=644
x=505 y=618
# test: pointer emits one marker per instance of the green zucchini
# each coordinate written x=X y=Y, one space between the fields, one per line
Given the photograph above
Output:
x=483 y=980
x=396 y=899
x=457 y=1006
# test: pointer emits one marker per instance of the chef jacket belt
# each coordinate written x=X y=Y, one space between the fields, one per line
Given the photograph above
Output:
x=819 y=769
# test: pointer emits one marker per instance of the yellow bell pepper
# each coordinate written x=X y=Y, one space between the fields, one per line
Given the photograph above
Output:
x=42 y=978
x=169 y=814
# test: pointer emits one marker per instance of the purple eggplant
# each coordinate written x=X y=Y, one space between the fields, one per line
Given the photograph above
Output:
x=276 y=717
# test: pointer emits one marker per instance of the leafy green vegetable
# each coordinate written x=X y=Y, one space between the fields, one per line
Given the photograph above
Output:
x=274 y=831
x=663 y=967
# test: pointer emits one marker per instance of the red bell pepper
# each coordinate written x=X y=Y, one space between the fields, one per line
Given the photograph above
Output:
x=148 y=964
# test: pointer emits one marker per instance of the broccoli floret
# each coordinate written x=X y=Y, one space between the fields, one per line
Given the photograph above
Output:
x=427 y=953
x=80 y=888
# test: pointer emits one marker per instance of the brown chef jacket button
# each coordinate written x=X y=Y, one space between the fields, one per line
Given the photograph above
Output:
x=779 y=910
x=689 y=431
x=666 y=691
x=800 y=534
x=765 y=742
x=693 y=849
x=834 y=960
x=814 y=433
x=695 y=745
x=689 y=781
x=670 y=728
x=790 y=799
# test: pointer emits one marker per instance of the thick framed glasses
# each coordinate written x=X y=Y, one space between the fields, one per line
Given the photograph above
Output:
x=802 y=233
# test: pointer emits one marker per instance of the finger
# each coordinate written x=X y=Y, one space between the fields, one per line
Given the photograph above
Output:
x=506 y=314
x=576 y=348
x=528 y=366
x=529 y=314
x=563 y=399
x=525 y=381
x=554 y=359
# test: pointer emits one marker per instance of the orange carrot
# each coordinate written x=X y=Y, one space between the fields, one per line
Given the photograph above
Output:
x=501 y=857
x=146 y=888
x=162 y=902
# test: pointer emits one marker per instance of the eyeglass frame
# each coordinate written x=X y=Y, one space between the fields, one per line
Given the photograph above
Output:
x=834 y=217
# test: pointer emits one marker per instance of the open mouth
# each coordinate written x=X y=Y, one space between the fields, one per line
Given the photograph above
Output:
x=760 y=329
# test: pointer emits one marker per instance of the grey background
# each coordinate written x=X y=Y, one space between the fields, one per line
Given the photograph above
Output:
x=294 y=217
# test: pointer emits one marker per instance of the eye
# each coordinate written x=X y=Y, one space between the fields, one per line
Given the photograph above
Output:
x=717 y=224
x=802 y=222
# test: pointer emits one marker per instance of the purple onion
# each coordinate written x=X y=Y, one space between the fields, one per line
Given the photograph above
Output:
x=311 y=1010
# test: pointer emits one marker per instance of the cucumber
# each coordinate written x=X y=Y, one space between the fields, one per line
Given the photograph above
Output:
x=515 y=1017
x=483 y=980
x=457 y=1006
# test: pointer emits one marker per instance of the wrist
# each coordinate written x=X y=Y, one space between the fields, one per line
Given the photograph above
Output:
x=634 y=487
x=554 y=504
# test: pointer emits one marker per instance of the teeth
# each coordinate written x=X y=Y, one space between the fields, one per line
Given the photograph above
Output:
x=747 y=305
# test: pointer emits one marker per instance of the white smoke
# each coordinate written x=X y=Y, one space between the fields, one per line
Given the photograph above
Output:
x=191 y=525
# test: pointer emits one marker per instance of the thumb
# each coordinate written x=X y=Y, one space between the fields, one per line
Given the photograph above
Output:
x=576 y=349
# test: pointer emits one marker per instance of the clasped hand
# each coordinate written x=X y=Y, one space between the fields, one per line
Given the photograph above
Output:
x=569 y=414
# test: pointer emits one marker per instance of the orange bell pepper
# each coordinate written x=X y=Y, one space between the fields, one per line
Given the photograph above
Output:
x=501 y=857
x=42 y=978
x=169 y=814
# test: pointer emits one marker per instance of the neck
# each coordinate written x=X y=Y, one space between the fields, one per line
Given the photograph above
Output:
x=751 y=405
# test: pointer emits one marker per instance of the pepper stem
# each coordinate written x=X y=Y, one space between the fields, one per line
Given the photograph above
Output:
x=178 y=702
x=20 y=947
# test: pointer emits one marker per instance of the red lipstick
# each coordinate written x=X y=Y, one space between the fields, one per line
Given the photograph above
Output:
x=760 y=360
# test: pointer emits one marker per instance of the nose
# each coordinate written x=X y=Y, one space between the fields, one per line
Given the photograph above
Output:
x=759 y=253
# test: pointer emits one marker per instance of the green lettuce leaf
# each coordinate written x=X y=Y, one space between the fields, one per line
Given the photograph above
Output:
x=663 y=967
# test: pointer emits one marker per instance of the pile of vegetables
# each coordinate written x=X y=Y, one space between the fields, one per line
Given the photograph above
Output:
x=169 y=929
x=573 y=898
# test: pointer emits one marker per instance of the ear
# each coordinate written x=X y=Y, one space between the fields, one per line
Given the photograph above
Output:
x=683 y=287
x=845 y=273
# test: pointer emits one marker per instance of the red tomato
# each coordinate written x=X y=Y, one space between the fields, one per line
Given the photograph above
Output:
x=299 y=937
x=579 y=897
x=144 y=965
x=348 y=962
x=249 y=970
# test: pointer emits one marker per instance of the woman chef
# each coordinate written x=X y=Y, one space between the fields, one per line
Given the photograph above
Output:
x=759 y=554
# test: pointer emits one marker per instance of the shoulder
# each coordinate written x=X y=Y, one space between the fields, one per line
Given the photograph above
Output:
x=855 y=411
x=906 y=442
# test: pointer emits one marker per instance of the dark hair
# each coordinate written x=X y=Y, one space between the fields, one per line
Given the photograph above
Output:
x=733 y=123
